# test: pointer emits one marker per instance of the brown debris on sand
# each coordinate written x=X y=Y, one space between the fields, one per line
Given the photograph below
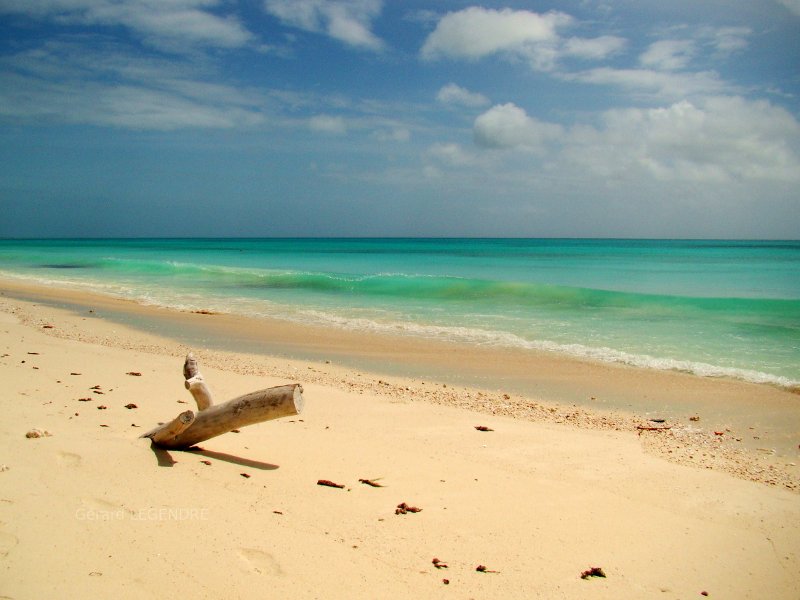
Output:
x=328 y=483
x=483 y=428
x=404 y=508
x=593 y=572
x=370 y=482
x=483 y=569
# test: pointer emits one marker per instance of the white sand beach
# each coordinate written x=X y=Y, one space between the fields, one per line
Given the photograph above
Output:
x=93 y=511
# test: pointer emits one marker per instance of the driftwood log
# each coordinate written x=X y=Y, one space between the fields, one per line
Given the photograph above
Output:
x=189 y=428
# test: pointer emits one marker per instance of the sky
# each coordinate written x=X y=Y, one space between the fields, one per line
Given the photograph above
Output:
x=579 y=118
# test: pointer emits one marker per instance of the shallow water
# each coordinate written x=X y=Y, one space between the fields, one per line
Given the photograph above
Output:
x=714 y=308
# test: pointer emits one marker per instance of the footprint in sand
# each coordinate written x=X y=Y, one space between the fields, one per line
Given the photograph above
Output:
x=260 y=562
x=7 y=542
x=68 y=459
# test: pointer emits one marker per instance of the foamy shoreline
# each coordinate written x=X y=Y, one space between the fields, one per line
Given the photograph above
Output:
x=251 y=309
x=553 y=490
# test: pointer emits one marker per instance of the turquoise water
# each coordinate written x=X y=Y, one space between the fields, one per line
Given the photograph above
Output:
x=714 y=308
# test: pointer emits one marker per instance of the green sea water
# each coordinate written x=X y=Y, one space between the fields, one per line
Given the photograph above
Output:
x=714 y=308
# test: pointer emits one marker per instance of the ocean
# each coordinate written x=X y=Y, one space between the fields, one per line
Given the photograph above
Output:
x=708 y=307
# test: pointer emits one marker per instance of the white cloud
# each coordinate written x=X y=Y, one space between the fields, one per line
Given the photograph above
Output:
x=348 y=21
x=127 y=106
x=714 y=140
x=398 y=134
x=476 y=32
x=328 y=124
x=668 y=55
x=143 y=108
x=661 y=84
x=508 y=126
x=792 y=5
x=718 y=139
x=164 y=24
x=594 y=48
x=680 y=45
x=452 y=155
x=66 y=83
x=454 y=94
x=728 y=39
x=665 y=69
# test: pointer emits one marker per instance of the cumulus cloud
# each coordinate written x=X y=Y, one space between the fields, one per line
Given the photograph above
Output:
x=664 y=71
x=348 y=21
x=508 y=126
x=454 y=94
x=476 y=32
x=163 y=24
x=718 y=139
x=713 y=140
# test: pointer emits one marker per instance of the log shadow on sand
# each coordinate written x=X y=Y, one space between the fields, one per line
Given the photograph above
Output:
x=236 y=460
x=163 y=457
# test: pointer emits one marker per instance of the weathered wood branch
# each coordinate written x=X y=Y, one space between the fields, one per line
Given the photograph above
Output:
x=171 y=429
x=200 y=392
x=188 y=428
x=190 y=368
x=196 y=384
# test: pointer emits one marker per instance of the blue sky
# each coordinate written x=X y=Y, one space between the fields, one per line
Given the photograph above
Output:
x=626 y=118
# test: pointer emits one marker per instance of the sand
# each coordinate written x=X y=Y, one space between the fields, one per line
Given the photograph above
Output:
x=554 y=489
